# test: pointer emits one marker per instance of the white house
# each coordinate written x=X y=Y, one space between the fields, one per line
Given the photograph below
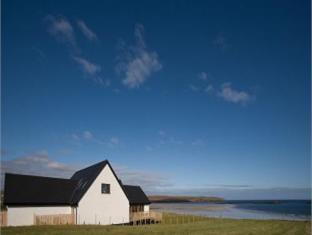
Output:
x=93 y=195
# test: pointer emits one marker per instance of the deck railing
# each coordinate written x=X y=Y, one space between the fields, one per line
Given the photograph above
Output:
x=54 y=219
x=144 y=216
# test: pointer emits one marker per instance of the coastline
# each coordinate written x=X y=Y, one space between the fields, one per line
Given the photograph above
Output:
x=229 y=211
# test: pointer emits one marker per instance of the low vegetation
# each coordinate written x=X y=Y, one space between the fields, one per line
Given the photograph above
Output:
x=176 y=225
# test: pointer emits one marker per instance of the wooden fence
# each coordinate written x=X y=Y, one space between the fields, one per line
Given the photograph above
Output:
x=3 y=218
x=145 y=217
x=54 y=219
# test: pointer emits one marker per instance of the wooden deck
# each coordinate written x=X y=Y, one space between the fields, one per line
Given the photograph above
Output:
x=150 y=217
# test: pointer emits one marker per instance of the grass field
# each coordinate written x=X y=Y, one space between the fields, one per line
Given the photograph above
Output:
x=174 y=224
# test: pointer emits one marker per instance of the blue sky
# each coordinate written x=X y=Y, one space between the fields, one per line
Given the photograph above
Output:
x=207 y=98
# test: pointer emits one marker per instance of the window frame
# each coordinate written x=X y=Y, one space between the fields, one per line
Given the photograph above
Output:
x=107 y=187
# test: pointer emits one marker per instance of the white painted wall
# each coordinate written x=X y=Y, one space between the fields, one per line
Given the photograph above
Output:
x=98 y=208
x=146 y=208
x=18 y=216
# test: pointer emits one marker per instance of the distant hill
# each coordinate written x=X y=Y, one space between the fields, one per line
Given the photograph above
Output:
x=176 y=199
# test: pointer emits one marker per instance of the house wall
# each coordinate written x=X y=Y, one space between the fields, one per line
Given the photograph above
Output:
x=146 y=208
x=18 y=216
x=98 y=208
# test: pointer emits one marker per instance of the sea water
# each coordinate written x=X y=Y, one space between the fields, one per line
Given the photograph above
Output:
x=242 y=209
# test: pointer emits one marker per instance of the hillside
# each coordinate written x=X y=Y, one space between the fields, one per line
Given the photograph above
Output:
x=176 y=199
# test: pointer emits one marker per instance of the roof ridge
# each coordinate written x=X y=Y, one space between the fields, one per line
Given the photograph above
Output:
x=38 y=176
x=101 y=162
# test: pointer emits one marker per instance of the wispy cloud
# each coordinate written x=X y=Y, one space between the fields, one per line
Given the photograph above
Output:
x=225 y=91
x=198 y=142
x=92 y=70
x=161 y=133
x=167 y=139
x=61 y=29
x=201 y=85
x=137 y=63
x=194 y=88
x=234 y=96
x=114 y=140
x=84 y=135
x=203 y=76
x=149 y=181
x=209 y=89
x=88 y=33
x=221 y=42
x=37 y=163
x=88 y=136
x=87 y=66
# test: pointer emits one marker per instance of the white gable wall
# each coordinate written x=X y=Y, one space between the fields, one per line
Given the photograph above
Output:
x=98 y=208
x=18 y=216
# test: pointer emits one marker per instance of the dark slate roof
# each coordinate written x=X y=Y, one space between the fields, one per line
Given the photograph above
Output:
x=135 y=195
x=85 y=178
x=36 y=190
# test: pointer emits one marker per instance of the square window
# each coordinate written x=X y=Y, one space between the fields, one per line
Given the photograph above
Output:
x=106 y=188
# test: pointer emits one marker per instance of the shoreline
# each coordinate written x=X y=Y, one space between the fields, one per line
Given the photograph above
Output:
x=225 y=211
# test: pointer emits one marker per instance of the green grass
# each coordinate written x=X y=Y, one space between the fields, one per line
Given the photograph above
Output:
x=174 y=225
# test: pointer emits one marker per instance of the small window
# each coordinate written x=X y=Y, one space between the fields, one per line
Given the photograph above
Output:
x=106 y=188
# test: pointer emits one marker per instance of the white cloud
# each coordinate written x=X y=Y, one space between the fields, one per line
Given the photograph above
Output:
x=87 y=66
x=166 y=139
x=89 y=34
x=92 y=70
x=138 y=63
x=194 y=88
x=84 y=135
x=209 y=89
x=149 y=181
x=102 y=82
x=61 y=29
x=37 y=163
x=161 y=133
x=114 y=140
x=203 y=76
x=231 y=95
x=87 y=135
x=75 y=137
